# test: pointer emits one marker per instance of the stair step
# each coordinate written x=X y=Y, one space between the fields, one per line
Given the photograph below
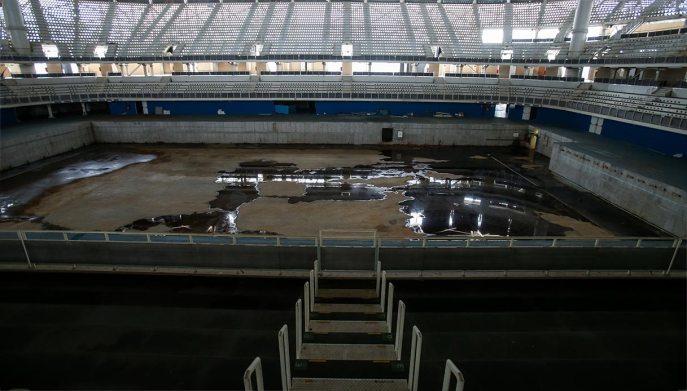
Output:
x=350 y=369
x=348 y=283
x=324 y=384
x=348 y=326
x=348 y=300
x=347 y=293
x=346 y=316
x=346 y=352
x=347 y=308
x=348 y=338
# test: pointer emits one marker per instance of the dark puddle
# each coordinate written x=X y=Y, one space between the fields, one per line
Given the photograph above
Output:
x=209 y=222
x=232 y=196
x=466 y=212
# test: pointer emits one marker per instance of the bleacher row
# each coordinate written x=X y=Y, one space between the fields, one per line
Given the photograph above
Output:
x=637 y=82
x=132 y=29
x=216 y=73
x=643 y=107
x=556 y=78
x=50 y=74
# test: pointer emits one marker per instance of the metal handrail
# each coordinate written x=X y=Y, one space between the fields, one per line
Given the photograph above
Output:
x=254 y=367
x=415 y=351
x=452 y=369
x=312 y=241
x=400 y=320
x=382 y=296
x=284 y=360
x=299 y=328
x=390 y=307
x=316 y=268
x=308 y=305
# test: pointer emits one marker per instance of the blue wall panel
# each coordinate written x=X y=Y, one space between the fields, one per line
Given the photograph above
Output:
x=421 y=109
x=515 y=113
x=658 y=140
x=561 y=118
x=666 y=142
x=123 y=108
x=211 y=107
x=8 y=117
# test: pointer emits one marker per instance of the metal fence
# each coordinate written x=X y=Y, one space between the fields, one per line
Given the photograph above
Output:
x=668 y=247
x=364 y=242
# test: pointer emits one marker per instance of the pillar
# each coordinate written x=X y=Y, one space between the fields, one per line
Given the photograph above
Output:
x=14 y=23
x=106 y=69
x=50 y=114
x=347 y=68
x=583 y=13
x=260 y=67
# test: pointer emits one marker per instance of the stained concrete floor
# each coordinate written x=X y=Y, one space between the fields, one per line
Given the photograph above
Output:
x=297 y=191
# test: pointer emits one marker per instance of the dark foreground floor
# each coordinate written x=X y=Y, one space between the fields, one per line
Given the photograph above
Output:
x=104 y=331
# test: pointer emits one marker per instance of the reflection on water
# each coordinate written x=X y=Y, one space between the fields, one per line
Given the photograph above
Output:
x=211 y=222
x=340 y=192
x=491 y=204
x=453 y=196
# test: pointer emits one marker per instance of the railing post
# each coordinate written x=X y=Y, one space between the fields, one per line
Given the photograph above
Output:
x=672 y=259
x=22 y=237
x=317 y=277
x=312 y=287
x=452 y=369
x=415 y=351
x=376 y=244
x=306 y=311
x=400 y=320
x=299 y=328
x=284 y=359
x=389 y=307
x=382 y=300
x=378 y=276
x=254 y=367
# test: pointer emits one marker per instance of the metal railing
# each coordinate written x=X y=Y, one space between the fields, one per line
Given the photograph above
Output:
x=284 y=360
x=255 y=367
x=452 y=370
x=26 y=239
x=414 y=366
x=299 y=328
x=626 y=106
x=400 y=319
x=313 y=241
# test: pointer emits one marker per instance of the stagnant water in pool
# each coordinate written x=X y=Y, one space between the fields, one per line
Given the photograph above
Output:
x=452 y=192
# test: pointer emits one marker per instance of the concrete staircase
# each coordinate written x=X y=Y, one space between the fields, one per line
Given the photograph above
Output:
x=347 y=342
x=344 y=339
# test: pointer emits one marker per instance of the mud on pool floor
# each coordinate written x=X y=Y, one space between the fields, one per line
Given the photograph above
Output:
x=287 y=191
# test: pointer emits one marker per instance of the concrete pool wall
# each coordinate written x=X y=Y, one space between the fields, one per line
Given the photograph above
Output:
x=29 y=144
